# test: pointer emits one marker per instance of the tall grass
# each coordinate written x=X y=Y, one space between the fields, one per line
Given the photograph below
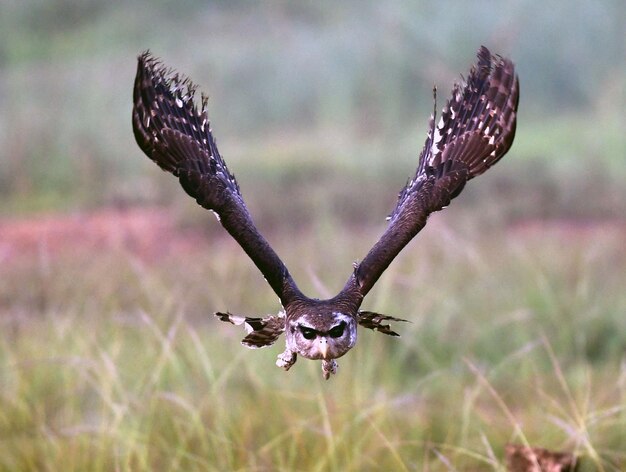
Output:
x=109 y=358
x=109 y=361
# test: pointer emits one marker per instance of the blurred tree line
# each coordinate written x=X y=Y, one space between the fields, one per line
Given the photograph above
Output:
x=297 y=87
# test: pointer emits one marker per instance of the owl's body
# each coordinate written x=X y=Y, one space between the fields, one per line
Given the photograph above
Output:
x=475 y=130
x=315 y=329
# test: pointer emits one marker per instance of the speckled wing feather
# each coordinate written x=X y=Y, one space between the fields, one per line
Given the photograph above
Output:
x=172 y=131
x=375 y=321
x=476 y=129
x=262 y=332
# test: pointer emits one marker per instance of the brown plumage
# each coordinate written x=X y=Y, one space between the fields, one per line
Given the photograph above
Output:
x=476 y=129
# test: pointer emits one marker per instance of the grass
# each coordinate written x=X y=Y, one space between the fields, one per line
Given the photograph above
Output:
x=110 y=361
x=109 y=358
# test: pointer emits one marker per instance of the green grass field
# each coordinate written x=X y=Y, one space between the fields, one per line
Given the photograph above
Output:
x=110 y=360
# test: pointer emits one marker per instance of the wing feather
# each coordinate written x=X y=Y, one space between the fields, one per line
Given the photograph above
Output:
x=375 y=322
x=172 y=131
x=476 y=128
x=262 y=332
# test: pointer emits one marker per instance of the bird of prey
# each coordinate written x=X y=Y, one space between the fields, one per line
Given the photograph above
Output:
x=476 y=128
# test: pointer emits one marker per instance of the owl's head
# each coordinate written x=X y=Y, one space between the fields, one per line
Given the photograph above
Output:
x=321 y=335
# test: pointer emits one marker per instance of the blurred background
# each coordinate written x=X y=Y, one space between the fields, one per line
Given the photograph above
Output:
x=108 y=271
x=320 y=98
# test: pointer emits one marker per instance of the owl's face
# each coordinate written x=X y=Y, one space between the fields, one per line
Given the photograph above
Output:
x=322 y=337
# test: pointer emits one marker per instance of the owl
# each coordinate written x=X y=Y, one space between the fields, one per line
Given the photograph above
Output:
x=476 y=128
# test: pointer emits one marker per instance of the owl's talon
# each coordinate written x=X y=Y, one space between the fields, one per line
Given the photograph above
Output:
x=329 y=367
x=286 y=359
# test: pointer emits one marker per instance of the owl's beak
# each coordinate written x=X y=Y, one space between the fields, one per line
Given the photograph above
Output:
x=323 y=346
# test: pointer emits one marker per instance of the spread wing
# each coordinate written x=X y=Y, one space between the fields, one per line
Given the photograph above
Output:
x=172 y=131
x=475 y=130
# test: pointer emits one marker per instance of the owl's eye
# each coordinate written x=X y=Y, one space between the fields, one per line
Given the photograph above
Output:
x=337 y=331
x=308 y=333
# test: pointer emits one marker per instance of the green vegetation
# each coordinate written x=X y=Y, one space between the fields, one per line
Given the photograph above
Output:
x=340 y=87
x=515 y=337
x=109 y=358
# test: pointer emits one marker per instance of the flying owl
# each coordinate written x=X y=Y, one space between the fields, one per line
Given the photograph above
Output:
x=476 y=128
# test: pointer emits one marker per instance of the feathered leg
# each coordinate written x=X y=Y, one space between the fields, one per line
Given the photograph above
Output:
x=329 y=367
x=286 y=359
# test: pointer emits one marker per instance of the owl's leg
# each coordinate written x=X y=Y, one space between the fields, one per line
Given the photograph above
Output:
x=286 y=359
x=329 y=367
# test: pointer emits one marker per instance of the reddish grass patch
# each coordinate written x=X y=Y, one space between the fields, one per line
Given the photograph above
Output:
x=146 y=232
